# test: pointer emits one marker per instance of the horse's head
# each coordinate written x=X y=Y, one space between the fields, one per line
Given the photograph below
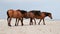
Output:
x=24 y=13
x=50 y=15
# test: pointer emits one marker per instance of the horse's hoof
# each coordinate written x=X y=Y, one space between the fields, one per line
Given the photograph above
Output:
x=16 y=25
x=44 y=24
x=30 y=24
x=21 y=25
x=9 y=25
x=35 y=23
x=38 y=24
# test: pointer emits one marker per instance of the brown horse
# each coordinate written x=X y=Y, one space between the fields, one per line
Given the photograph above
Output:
x=14 y=14
x=32 y=15
x=43 y=15
x=24 y=14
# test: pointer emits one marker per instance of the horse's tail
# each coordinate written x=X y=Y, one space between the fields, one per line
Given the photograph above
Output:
x=7 y=13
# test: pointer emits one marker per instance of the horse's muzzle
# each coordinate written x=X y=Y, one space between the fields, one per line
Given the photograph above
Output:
x=51 y=18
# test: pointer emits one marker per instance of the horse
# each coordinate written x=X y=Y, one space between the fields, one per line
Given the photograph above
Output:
x=18 y=14
x=32 y=15
x=42 y=17
x=24 y=13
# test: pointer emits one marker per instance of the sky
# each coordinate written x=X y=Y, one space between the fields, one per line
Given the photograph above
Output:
x=52 y=6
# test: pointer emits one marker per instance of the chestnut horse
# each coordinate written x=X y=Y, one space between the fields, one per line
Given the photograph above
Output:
x=32 y=15
x=42 y=16
x=38 y=15
x=18 y=14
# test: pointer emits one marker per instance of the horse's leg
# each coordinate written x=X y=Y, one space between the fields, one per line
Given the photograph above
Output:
x=43 y=22
x=9 y=21
x=35 y=21
x=31 y=21
x=16 y=22
x=39 y=22
x=22 y=21
x=7 y=18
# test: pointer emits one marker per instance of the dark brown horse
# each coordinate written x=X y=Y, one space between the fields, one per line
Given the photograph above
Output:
x=18 y=14
x=24 y=14
x=43 y=15
x=38 y=15
x=32 y=15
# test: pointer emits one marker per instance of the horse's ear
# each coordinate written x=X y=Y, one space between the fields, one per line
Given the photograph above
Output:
x=49 y=13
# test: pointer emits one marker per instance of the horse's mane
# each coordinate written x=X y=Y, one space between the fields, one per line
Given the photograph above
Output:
x=18 y=10
x=47 y=13
x=22 y=11
x=36 y=12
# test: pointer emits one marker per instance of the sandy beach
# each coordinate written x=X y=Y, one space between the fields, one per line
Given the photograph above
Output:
x=51 y=27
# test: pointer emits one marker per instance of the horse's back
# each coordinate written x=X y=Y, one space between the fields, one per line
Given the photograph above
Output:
x=13 y=13
x=36 y=12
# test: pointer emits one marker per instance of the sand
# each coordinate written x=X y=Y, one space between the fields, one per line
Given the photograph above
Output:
x=51 y=27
